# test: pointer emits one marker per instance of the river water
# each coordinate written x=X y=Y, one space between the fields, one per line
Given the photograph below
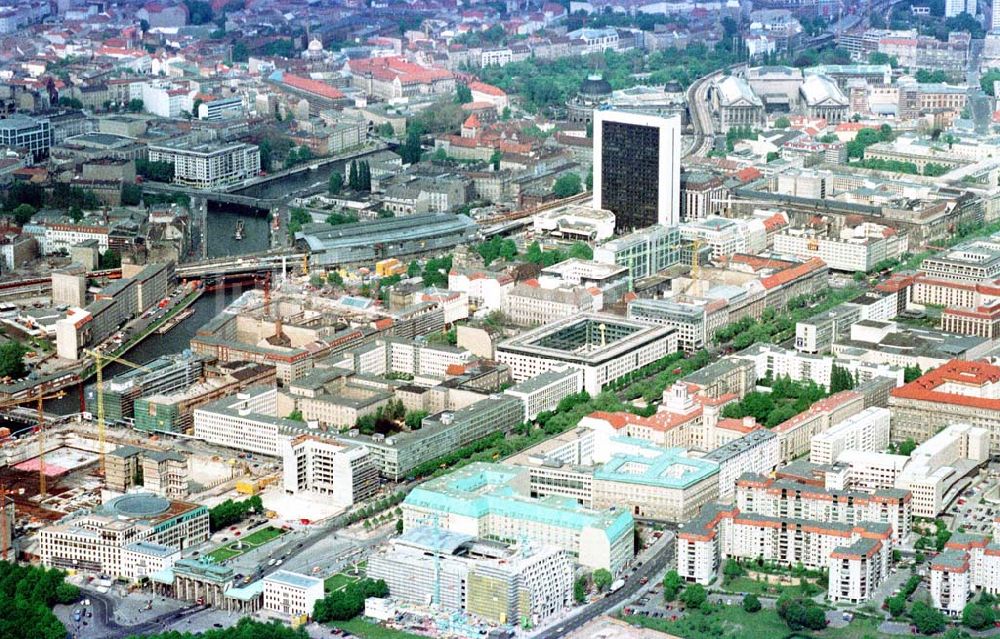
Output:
x=221 y=243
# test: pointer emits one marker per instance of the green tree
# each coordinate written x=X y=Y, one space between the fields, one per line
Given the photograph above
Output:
x=399 y=526
x=567 y=185
x=751 y=603
x=580 y=589
x=295 y=416
x=135 y=105
x=296 y=218
x=334 y=278
x=463 y=95
x=978 y=616
x=911 y=373
x=336 y=182
x=12 y=360
x=385 y=130
x=694 y=596
x=907 y=447
x=348 y=602
x=414 y=419
x=110 y=259
x=732 y=569
x=672 y=585
x=413 y=270
x=602 y=578
x=131 y=194
x=782 y=122
x=76 y=214
x=580 y=251
x=411 y=149
x=23 y=213
x=199 y=12
x=896 y=605
x=841 y=379
x=927 y=620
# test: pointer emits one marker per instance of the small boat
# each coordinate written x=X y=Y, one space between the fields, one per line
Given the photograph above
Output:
x=238 y=235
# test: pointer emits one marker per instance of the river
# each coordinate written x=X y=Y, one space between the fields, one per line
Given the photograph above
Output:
x=222 y=227
x=221 y=243
x=298 y=181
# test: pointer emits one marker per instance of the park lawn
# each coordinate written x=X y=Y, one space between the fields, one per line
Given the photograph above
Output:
x=732 y=622
x=859 y=628
x=251 y=541
x=262 y=536
x=338 y=581
x=368 y=630
x=223 y=553
x=723 y=621
x=746 y=584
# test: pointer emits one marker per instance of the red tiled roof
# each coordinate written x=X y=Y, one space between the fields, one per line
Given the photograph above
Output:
x=973 y=374
x=308 y=85
x=822 y=406
x=488 y=89
x=791 y=274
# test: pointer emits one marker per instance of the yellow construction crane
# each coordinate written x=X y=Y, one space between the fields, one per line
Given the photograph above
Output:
x=99 y=358
x=39 y=400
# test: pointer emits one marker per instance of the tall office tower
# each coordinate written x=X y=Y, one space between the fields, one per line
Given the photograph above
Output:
x=953 y=8
x=637 y=161
x=995 y=16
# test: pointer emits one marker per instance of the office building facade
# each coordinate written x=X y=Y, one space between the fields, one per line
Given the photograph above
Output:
x=637 y=168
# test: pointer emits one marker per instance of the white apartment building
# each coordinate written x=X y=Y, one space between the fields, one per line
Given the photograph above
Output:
x=857 y=570
x=783 y=497
x=857 y=249
x=163 y=99
x=397 y=355
x=868 y=431
x=544 y=392
x=871 y=471
x=209 y=166
x=290 y=594
x=60 y=237
x=343 y=473
x=774 y=361
x=940 y=462
x=757 y=452
x=245 y=422
x=968 y=562
x=532 y=305
x=486 y=291
x=861 y=550
x=727 y=236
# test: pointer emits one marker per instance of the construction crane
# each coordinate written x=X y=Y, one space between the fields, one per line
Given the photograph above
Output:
x=39 y=399
x=99 y=358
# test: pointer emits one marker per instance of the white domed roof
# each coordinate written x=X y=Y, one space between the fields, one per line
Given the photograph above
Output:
x=315 y=45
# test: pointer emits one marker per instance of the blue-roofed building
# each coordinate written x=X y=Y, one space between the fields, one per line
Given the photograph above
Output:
x=493 y=501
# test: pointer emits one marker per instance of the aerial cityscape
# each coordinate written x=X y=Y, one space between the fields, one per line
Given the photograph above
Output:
x=522 y=319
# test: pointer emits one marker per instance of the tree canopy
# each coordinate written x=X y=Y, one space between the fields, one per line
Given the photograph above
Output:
x=28 y=593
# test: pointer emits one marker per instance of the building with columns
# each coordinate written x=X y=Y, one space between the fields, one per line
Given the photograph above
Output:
x=209 y=584
x=736 y=104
